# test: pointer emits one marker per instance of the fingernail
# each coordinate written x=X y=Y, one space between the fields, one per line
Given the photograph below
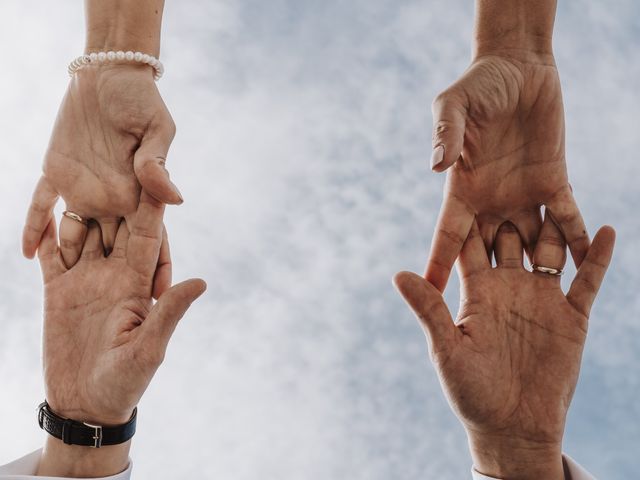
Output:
x=175 y=189
x=437 y=156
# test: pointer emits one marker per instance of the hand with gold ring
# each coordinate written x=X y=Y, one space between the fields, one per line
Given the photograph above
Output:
x=103 y=337
x=509 y=364
x=110 y=139
x=499 y=133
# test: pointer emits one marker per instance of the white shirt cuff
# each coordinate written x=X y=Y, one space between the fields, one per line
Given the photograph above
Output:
x=575 y=470
x=27 y=466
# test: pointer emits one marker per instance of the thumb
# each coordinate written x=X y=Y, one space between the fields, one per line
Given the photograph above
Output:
x=167 y=312
x=427 y=303
x=449 y=119
x=150 y=158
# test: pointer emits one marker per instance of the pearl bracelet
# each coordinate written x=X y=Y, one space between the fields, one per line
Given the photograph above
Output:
x=99 y=58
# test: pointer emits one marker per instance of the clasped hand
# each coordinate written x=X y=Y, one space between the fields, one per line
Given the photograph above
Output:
x=110 y=139
x=509 y=364
x=103 y=337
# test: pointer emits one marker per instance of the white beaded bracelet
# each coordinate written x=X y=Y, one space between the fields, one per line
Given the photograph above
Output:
x=98 y=58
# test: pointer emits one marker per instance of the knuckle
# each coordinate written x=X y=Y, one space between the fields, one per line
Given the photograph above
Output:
x=582 y=237
x=452 y=237
x=551 y=240
x=70 y=244
x=440 y=100
x=511 y=262
x=595 y=264
x=567 y=217
x=139 y=231
x=171 y=126
x=166 y=126
x=39 y=207
x=588 y=285
x=441 y=128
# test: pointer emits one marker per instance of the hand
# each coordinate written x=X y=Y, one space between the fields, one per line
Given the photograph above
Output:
x=111 y=138
x=500 y=131
x=103 y=338
x=510 y=364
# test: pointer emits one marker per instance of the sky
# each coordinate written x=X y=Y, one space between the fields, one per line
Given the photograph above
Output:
x=304 y=136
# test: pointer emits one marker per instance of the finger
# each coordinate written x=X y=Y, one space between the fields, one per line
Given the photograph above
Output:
x=449 y=118
x=452 y=229
x=157 y=328
x=473 y=256
x=149 y=161
x=72 y=236
x=109 y=229
x=428 y=305
x=488 y=232
x=121 y=241
x=551 y=250
x=585 y=286
x=508 y=247
x=529 y=225
x=162 y=278
x=93 y=248
x=145 y=235
x=38 y=217
x=566 y=214
x=51 y=262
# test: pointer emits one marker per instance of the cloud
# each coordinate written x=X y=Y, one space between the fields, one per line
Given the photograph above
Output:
x=302 y=150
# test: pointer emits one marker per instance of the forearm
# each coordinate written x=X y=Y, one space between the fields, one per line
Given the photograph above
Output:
x=73 y=461
x=510 y=458
x=514 y=26
x=124 y=25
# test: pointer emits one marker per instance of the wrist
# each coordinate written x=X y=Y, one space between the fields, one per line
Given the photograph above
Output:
x=536 y=51
x=523 y=28
x=102 y=417
x=512 y=458
x=73 y=461
x=127 y=25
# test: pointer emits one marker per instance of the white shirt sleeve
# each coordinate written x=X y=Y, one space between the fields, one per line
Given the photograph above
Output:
x=575 y=470
x=27 y=466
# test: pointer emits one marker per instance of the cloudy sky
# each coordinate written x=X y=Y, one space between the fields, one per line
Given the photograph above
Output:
x=302 y=151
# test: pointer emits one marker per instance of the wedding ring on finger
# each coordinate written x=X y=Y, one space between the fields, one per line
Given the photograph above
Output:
x=75 y=216
x=548 y=270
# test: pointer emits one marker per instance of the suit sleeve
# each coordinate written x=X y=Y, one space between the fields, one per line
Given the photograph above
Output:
x=27 y=466
x=576 y=472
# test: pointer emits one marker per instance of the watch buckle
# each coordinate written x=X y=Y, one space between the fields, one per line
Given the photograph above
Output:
x=41 y=414
x=97 y=434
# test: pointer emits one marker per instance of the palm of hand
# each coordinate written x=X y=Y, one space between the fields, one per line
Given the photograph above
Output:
x=519 y=333
x=103 y=338
x=510 y=365
x=95 y=365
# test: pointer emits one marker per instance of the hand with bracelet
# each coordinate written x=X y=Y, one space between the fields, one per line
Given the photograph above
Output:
x=111 y=136
x=103 y=337
x=509 y=364
x=499 y=130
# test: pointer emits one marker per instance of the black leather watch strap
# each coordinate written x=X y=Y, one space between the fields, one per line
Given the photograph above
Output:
x=73 y=432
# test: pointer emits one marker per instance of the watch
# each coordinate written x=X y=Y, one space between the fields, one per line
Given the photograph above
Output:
x=73 y=432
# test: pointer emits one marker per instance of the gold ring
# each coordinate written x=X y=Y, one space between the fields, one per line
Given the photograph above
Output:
x=547 y=270
x=75 y=216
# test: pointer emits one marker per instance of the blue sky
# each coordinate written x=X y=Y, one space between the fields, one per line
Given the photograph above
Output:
x=302 y=151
